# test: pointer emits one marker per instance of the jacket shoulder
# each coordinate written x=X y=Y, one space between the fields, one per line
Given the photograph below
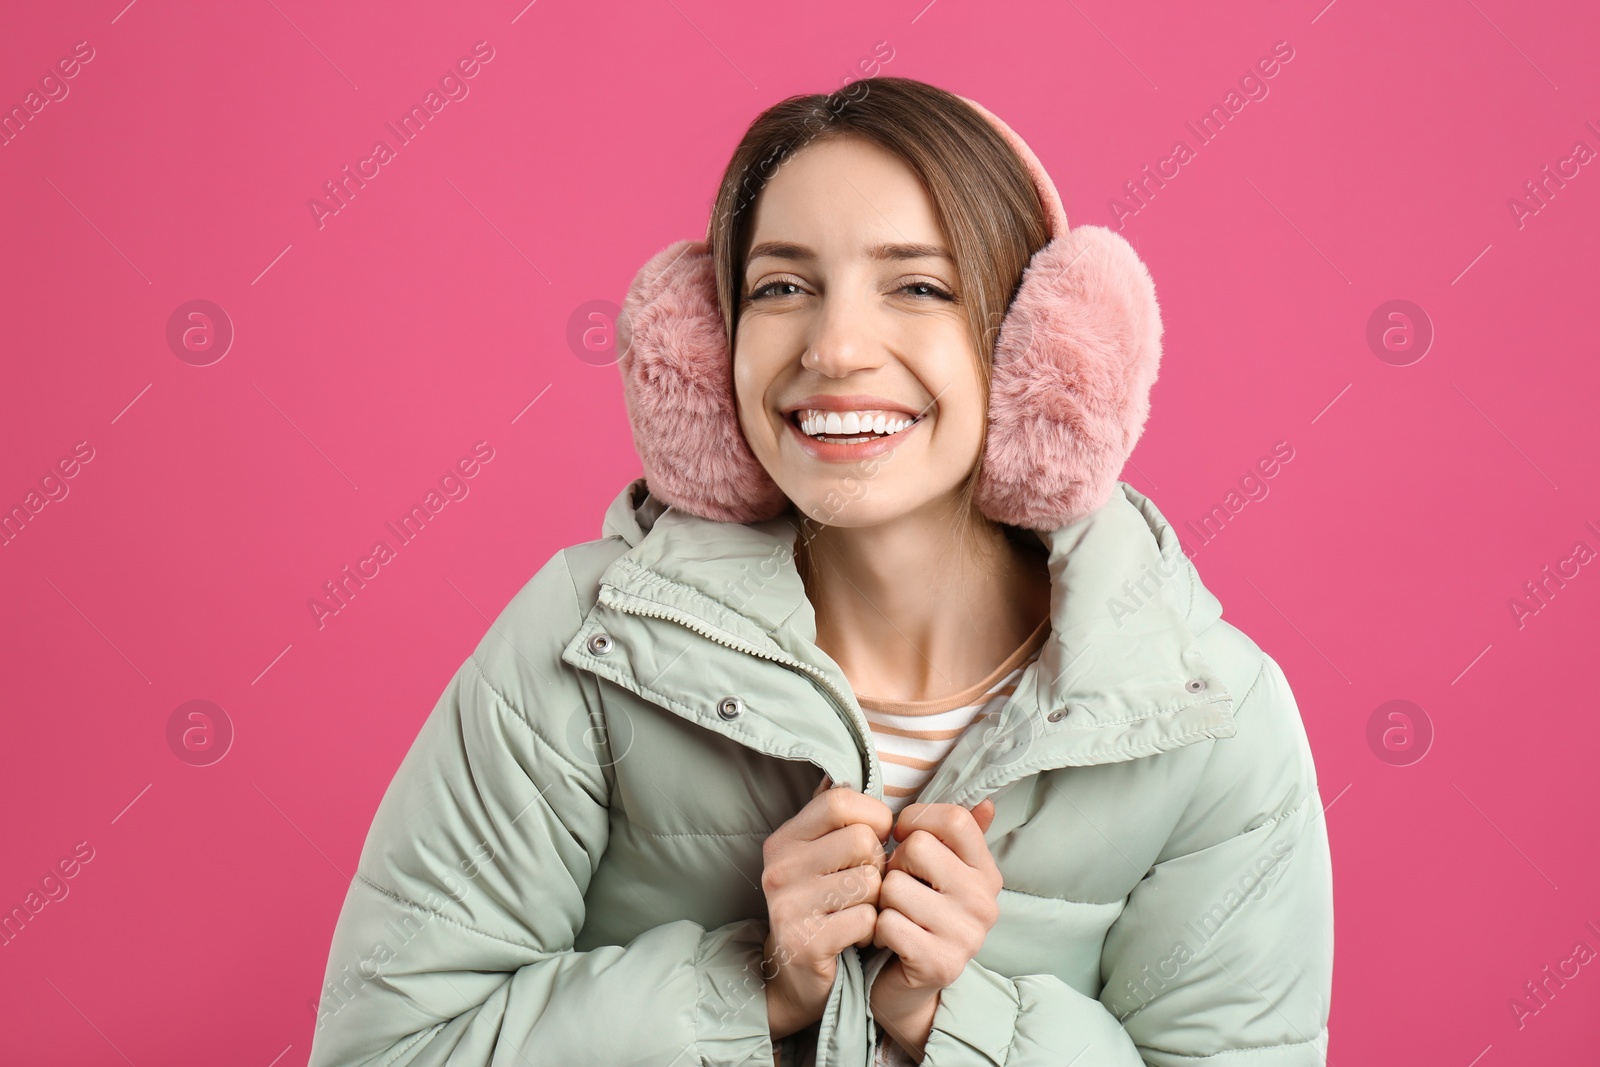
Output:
x=1265 y=770
x=546 y=611
x=519 y=657
x=587 y=561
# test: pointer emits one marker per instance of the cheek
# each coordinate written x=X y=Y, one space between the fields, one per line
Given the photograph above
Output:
x=963 y=424
x=746 y=365
x=959 y=387
x=752 y=381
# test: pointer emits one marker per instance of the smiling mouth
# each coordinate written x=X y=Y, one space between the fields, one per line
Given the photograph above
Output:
x=851 y=427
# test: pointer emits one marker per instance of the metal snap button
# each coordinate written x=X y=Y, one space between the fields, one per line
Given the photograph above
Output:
x=730 y=707
x=600 y=644
x=1194 y=685
x=1057 y=715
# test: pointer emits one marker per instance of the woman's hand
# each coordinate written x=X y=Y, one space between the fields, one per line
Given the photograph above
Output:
x=821 y=873
x=938 y=901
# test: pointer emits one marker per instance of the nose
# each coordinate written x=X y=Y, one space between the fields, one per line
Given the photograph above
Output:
x=842 y=342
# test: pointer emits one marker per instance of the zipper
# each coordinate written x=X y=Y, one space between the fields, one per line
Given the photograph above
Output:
x=613 y=599
x=963 y=779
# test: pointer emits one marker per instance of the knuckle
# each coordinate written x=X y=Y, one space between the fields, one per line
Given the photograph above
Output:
x=906 y=852
x=873 y=876
x=864 y=883
x=975 y=944
x=778 y=878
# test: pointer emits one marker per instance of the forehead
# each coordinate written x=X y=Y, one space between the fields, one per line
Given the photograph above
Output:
x=845 y=197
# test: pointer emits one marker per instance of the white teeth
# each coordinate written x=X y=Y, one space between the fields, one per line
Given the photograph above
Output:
x=851 y=423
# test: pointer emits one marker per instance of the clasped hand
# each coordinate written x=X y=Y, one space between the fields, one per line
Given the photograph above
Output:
x=829 y=883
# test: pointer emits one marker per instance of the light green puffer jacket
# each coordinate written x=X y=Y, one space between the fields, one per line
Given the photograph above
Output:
x=566 y=868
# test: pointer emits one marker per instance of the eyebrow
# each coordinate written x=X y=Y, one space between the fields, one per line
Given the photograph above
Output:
x=789 y=250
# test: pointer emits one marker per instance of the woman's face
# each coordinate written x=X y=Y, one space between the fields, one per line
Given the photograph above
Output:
x=848 y=330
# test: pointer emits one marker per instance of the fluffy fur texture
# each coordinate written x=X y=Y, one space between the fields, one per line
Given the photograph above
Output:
x=1077 y=356
x=1070 y=391
x=677 y=375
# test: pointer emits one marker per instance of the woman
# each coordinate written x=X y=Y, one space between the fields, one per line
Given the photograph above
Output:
x=881 y=547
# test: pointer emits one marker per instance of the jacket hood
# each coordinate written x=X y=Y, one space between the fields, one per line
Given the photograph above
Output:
x=1121 y=676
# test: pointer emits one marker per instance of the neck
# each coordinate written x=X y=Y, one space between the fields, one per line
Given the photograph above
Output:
x=913 y=610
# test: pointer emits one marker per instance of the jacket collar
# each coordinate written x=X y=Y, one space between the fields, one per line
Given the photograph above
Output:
x=1121 y=676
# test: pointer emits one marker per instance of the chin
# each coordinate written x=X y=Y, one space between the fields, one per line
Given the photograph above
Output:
x=852 y=500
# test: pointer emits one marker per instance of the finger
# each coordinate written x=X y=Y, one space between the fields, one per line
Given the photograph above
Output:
x=950 y=823
x=898 y=932
x=831 y=933
x=814 y=902
x=826 y=783
x=838 y=850
x=927 y=960
x=840 y=806
x=922 y=904
x=811 y=899
x=845 y=889
x=924 y=856
x=983 y=815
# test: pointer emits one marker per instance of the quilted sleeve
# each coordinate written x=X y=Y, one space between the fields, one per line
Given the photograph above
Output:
x=455 y=942
x=1222 y=949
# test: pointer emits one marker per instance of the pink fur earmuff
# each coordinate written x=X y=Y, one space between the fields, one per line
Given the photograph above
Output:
x=1074 y=364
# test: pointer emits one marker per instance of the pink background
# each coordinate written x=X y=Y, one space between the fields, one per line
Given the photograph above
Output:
x=374 y=351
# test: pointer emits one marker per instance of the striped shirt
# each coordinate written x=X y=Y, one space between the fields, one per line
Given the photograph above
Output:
x=914 y=736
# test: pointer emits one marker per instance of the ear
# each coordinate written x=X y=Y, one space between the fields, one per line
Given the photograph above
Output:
x=983 y=813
